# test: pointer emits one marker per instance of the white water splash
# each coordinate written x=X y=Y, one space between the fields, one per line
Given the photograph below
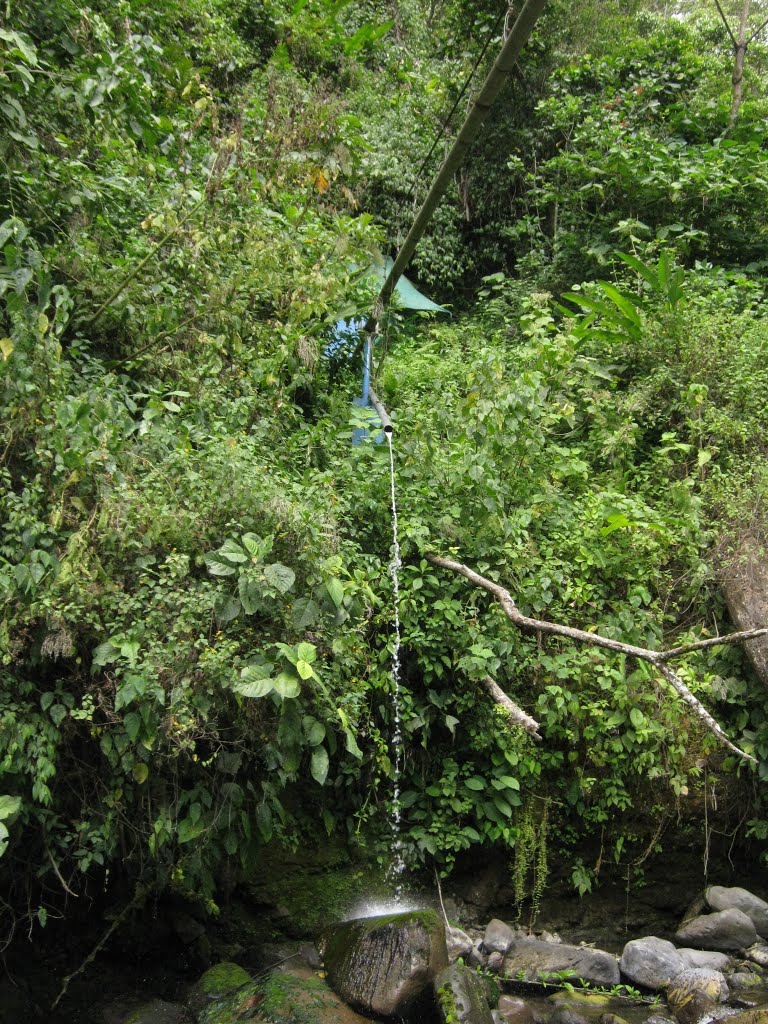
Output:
x=396 y=869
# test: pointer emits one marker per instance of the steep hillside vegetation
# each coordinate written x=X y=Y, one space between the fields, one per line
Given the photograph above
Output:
x=196 y=610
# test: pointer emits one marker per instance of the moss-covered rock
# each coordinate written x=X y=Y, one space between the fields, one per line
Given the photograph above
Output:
x=461 y=996
x=386 y=965
x=218 y=982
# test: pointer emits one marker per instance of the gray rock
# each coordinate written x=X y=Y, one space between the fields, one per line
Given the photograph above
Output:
x=745 y=586
x=534 y=959
x=461 y=997
x=495 y=962
x=514 y=1011
x=743 y=981
x=651 y=962
x=758 y=954
x=706 y=958
x=311 y=956
x=724 y=930
x=458 y=944
x=498 y=937
x=476 y=957
x=720 y=897
x=567 y=1015
x=385 y=966
x=696 y=992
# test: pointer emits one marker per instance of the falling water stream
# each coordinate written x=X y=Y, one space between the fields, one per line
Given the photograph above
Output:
x=396 y=870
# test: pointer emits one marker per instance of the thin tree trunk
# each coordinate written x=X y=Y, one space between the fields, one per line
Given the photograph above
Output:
x=738 y=64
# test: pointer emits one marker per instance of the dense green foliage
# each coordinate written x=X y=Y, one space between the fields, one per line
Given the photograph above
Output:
x=196 y=611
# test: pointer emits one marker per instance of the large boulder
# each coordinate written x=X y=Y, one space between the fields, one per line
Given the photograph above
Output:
x=461 y=996
x=534 y=960
x=720 y=897
x=724 y=930
x=696 y=992
x=386 y=965
x=651 y=962
x=706 y=958
x=745 y=586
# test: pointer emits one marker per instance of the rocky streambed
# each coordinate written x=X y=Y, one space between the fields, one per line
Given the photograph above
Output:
x=415 y=967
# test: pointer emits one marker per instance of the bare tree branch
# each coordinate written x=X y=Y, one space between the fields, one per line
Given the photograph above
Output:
x=655 y=658
x=757 y=32
x=516 y=714
x=725 y=22
x=714 y=641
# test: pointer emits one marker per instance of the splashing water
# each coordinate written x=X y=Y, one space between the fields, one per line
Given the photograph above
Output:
x=396 y=869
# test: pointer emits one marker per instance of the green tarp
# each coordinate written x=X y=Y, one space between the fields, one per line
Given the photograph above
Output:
x=407 y=296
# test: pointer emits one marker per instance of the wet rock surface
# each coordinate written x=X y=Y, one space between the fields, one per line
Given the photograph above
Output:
x=720 y=897
x=724 y=930
x=535 y=960
x=461 y=996
x=696 y=993
x=651 y=962
x=386 y=965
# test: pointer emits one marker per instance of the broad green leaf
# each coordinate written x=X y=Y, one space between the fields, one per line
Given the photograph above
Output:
x=335 y=590
x=304 y=669
x=9 y=805
x=105 y=654
x=216 y=567
x=306 y=613
x=256 y=689
x=319 y=765
x=314 y=730
x=189 y=829
x=140 y=773
x=227 y=608
x=280 y=576
x=307 y=652
x=475 y=782
x=286 y=686
x=231 y=551
x=703 y=457
x=637 y=718
x=6 y=347
x=253 y=545
x=251 y=595
x=264 y=821
x=648 y=275
x=352 y=746
x=623 y=302
x=509 y=781
x=132 y=723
